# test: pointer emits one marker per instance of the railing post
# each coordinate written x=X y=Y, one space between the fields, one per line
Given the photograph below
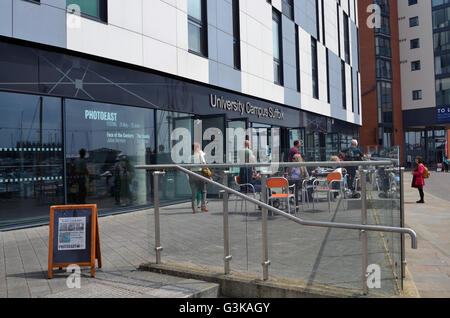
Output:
x=362 y=175
x=402 y=220
x=226 y=231
x=265 y=242
x=158 y=247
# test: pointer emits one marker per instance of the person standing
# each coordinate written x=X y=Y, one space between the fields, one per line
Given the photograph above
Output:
x=298 y=174
x=81 y=175
x=294 y=150
x=418 y=181
x=352 y=154
x=196 y=184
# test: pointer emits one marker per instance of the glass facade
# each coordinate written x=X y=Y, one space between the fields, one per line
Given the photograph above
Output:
x=383 y=55
x=31 y=158
x=430 y=144
x=64 y=142
x=115 y=139
x=441 y=19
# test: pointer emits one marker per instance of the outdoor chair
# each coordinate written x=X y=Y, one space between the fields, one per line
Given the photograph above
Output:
x=326 y=186
x=286 y=194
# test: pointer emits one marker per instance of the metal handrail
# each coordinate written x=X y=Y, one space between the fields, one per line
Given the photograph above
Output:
x=331 y=164
x=300 y=221
x=265 y=207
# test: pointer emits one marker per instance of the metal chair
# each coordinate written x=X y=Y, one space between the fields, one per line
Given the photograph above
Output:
x=239 y=185
x=327 y=186
x=283 y=183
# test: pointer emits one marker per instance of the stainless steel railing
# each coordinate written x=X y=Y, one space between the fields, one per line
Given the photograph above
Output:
x=158 y=170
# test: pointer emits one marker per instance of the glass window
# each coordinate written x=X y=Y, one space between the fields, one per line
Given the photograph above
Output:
x=93 y=8
x=383 y=46
x=103 y=144
x=31 y=158
x=287 y=7
x=176 y=186
x=236 y=35
x=315 y=68
x=277 y=48
x=197 y=27
x=346 y=38
x=441 y=18
x=441 y=41
x=442 y=64
x=414 y=21
x=443 y=91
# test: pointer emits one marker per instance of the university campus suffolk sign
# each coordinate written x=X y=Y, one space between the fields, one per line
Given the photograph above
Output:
x=245 y=108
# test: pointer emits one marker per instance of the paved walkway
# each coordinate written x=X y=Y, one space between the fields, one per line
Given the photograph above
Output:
x=297 y=253
x=24 y=259
x=429 y=265
x=313 y=255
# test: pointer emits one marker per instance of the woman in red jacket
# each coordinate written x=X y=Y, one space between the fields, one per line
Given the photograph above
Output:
x=418 y=180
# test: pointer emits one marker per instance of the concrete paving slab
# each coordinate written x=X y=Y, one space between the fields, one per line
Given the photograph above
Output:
x=429 y=265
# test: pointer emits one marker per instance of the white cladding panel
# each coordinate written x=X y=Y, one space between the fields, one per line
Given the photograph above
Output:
x=154 y=34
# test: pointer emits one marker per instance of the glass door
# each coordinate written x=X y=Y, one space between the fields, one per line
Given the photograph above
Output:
x=210 y=132
x=177 y=186
x=331 y=145
x=294 y=134
x=206 y=130
x=235 y=139
x=315 y=146
x=260 y=142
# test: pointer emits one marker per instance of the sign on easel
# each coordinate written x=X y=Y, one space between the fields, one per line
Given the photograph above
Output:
x=74 y=237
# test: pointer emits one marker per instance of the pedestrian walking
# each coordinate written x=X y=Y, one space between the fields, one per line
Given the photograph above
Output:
x=198 y=157
x=418 y=181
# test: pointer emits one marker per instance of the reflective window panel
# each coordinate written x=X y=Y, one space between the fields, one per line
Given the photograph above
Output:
x=31 y=158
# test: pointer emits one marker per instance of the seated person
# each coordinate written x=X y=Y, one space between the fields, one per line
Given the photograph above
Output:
x=298 y=174
x=248 y=176
x=336 y=186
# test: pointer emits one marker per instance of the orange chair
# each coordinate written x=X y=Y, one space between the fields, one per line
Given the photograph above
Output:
x=280 y=183
x=327 y=187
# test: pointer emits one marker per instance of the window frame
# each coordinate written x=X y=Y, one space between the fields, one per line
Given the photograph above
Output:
x=203 y=24
x=102 y=11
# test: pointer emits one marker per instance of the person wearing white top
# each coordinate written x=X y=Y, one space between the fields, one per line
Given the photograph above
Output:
x=197 y=185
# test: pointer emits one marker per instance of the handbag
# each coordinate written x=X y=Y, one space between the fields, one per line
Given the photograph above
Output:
x=207 y=173
x=413 y=183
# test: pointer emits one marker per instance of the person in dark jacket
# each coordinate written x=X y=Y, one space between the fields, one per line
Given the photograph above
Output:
x=418 y=181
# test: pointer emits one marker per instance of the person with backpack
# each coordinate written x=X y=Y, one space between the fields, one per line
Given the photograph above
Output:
x=419 y=175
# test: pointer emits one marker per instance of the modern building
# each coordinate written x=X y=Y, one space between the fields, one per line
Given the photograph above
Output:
x=423 y=27
x=408 y=54
x=381 y=78
x=116 y=78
